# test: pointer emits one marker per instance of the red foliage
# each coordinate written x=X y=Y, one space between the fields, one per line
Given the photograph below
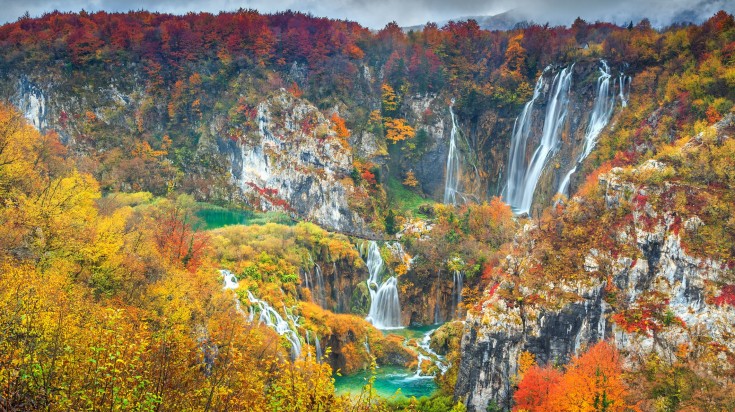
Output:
x=369 y=177
x=726 y=296
x=649 y=315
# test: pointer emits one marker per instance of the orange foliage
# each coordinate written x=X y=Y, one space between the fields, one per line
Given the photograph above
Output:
x=592 y=382
x=339 y=127
x=534 y=391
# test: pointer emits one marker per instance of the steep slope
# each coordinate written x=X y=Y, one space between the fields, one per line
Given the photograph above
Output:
x=643 y=271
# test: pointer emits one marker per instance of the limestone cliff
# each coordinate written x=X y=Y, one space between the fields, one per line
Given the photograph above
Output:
x=653 y=266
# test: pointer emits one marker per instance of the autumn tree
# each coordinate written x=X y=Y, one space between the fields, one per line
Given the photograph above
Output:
x=591 y=382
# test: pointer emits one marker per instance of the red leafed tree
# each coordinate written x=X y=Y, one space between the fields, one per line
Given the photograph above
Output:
x=176 y=239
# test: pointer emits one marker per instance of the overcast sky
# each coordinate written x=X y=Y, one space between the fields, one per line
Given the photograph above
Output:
x=376 y=13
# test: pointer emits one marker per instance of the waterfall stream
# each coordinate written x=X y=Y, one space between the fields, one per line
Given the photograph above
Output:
x=268 y=315
x=518 y=143
x=522 y=180
x=385 y=308
x=454 y=164
x=600 y=116
x=622 y=81
x=283 y=326
x=458 y=285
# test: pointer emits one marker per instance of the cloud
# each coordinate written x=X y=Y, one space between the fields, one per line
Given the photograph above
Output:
x=377 y=13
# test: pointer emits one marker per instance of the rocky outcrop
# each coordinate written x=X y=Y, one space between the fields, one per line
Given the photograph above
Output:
x=295 y=162
x=656 y=264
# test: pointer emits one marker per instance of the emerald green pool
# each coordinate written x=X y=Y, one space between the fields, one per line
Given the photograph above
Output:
x=390 y=379
x=213 y=218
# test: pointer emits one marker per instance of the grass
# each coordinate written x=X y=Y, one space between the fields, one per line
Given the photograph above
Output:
x=402 y=199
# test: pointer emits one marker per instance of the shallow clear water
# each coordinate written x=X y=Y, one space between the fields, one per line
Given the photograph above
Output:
x=218 y=217
x=388 y=380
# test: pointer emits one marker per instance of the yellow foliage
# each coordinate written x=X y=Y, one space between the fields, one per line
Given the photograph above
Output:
x=397 y=130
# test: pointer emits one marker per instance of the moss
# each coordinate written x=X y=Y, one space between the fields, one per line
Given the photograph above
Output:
x=360 y=301
x=403 y=199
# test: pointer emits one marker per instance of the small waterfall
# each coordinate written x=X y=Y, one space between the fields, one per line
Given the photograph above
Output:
x=622 y=94
x=319 y=289
x=307 y=281
x=458 y=285
x=425 y=345
x=454 y=164
x=318 y=346
x=284 y=327
x=385 y=309
x=600 y=116
x=230 y=280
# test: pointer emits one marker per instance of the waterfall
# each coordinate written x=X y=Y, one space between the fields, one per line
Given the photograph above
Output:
x=518 y=143
x=230 y=280
x=556 y=112
x=385 y=309
x=319 y=289
x=600 y=116
x=318 y=346
x=458 y=285
x=454 y=164
x=284 y=327
x=425 y=345
x=622 y=80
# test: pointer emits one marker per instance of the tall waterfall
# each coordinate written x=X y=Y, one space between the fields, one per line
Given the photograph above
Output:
x=454 y=164
x=385 y=308
x=522 y=179
x=600 y=116
x=518 y=143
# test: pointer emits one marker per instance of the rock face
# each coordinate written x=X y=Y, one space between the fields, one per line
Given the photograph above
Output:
x=658 y=266
x=295 y=162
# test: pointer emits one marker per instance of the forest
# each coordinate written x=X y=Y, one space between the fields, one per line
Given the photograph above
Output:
x=275 y=212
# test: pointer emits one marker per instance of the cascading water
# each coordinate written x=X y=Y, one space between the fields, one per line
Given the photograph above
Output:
x=600 y=116
x=425 y=345
x=319 y=287
x=385 y=308
x=229 y=279
x=285 y=327
x=458 y=285
x=622 y=81
x=522 y=185
x=518 y=143
x=318 y=346
x=454 y=164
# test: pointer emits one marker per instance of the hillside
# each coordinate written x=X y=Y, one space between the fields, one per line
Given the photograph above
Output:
x=501 y=216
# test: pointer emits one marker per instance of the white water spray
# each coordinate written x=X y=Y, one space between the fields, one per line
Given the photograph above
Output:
x=522 y=183
x=283 y=326
x=600 y=116
x=385 y=308
x=454 y=164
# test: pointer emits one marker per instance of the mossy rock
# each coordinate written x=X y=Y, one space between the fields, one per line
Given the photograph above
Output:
x=360 y=301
